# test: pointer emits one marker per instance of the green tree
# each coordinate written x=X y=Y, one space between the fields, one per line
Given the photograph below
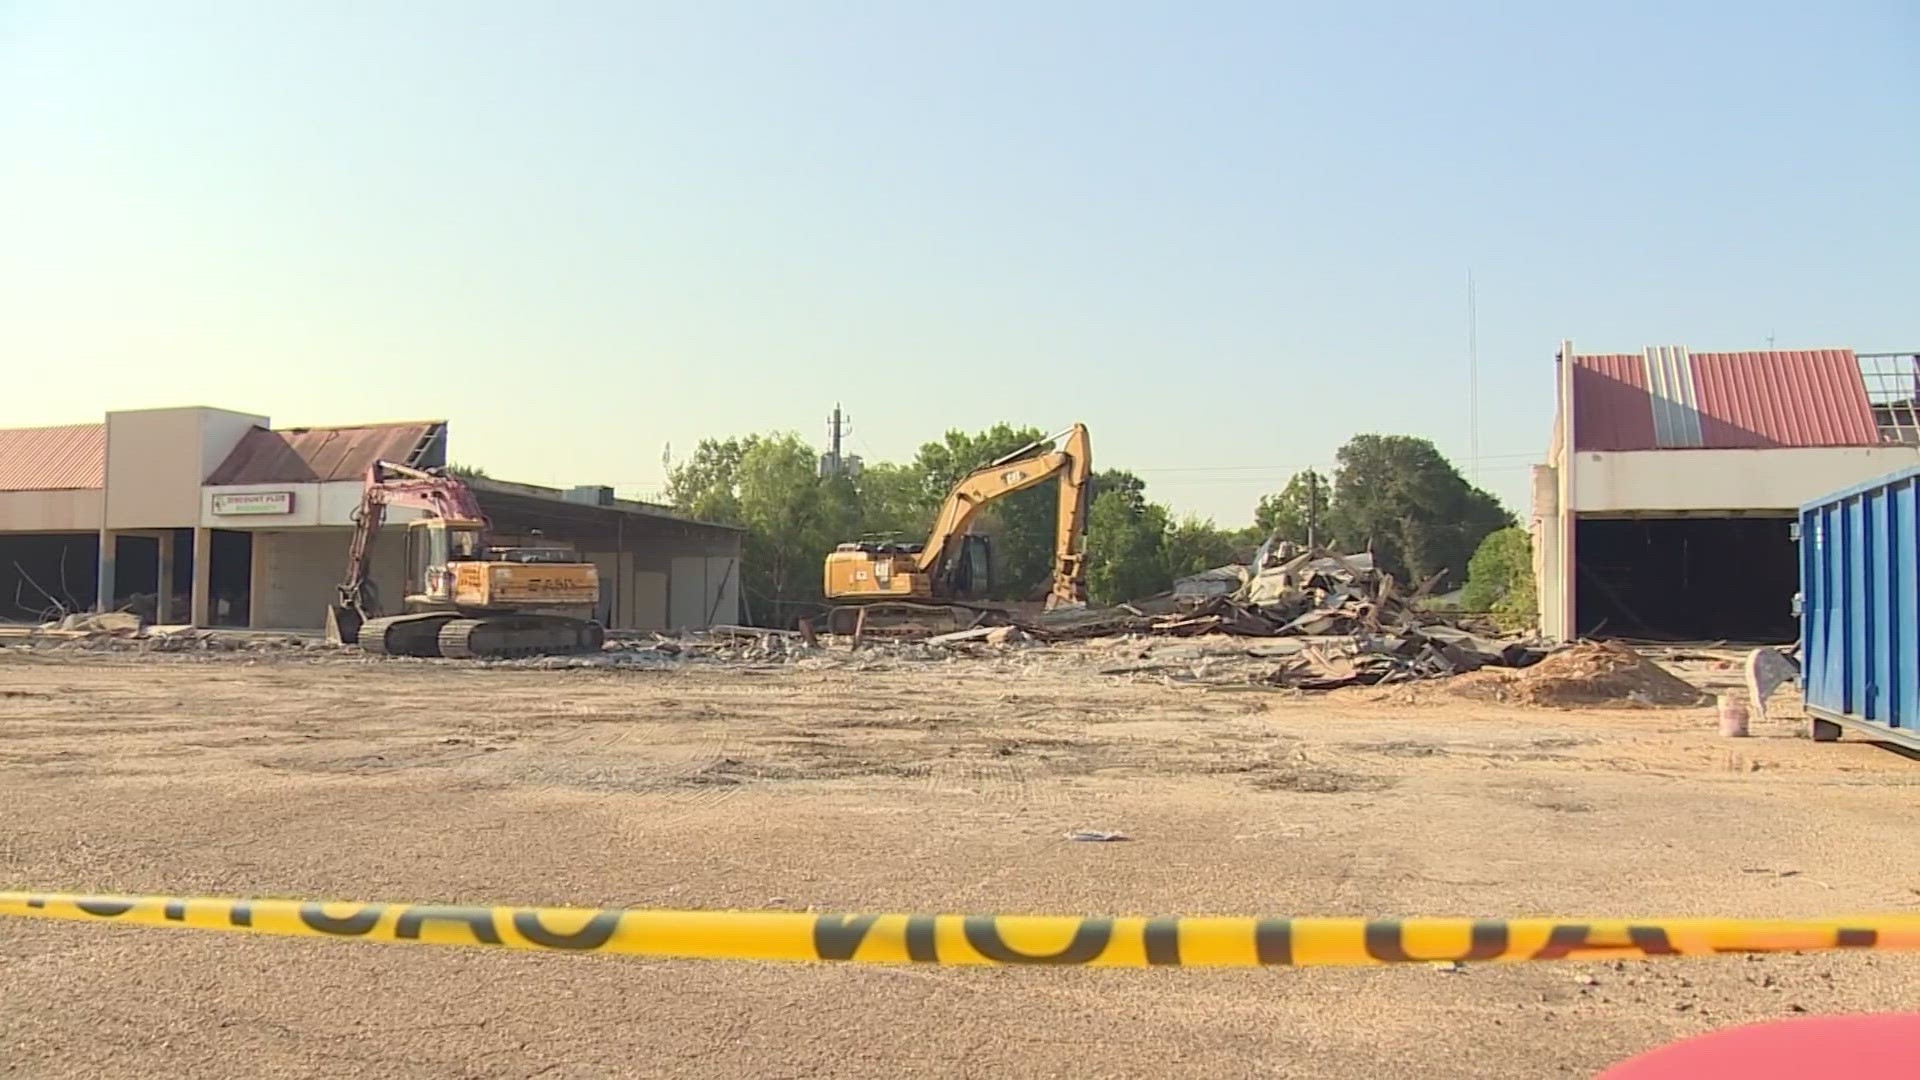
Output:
x=466 y=472
x=1500 y=579
x=1396 y=495
x=788 y=536
x=1195 y=544
x=1297 y=509
x=707 y=485
x=894 y=502
x=1021 y=525
x=1122 y=481
x=771 y=485
x=1126 y=547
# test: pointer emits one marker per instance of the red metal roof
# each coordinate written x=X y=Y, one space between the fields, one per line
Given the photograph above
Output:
x=1611 y=409
x=1800 y=398
x=1673 y=399
x=72 y=457
x=321 y=455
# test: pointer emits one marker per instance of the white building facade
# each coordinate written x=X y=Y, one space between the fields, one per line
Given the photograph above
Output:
x=1666 y=504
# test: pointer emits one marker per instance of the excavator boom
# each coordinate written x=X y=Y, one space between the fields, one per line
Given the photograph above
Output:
x=387 y=484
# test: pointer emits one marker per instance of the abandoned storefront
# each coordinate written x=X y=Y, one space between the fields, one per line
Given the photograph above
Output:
x=215 y=518
x=1666 y=507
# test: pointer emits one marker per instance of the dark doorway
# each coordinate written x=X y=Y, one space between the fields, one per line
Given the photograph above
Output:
x=230 y=589
x=1687 y=579
x=136 y=574
x=43 y=575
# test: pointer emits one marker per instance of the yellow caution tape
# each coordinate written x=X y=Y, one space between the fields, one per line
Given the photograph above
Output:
x=984 y=939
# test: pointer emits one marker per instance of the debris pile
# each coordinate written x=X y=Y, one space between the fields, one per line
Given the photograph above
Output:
x=1357 y=627
x=121 y=623
x=1589 y=674
x=120 y=632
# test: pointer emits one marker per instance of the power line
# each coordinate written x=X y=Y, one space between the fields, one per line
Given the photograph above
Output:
x=1534 y=455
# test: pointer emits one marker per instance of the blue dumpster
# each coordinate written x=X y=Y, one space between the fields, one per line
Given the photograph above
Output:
x=1860 y=610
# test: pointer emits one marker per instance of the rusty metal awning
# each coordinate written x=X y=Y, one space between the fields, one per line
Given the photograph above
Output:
x=325 y=455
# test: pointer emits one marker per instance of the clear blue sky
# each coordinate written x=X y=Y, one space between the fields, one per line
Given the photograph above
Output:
x=1227 y=236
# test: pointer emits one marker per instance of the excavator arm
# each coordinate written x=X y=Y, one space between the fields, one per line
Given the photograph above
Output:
x=1071 y=459
x=387 y=484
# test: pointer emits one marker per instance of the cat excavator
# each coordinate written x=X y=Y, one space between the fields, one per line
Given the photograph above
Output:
x=955 y=567
x=464 y=597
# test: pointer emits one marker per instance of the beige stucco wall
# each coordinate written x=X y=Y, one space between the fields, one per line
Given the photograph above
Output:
x=158 y=458
x=50 y=511
x=1709 y=480
x=295 y=574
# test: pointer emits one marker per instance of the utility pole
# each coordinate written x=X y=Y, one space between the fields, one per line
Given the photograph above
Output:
x=1313 y=508
x=1473 y=384
x=835 y=462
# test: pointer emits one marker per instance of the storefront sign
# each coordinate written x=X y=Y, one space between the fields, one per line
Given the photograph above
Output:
x=254 y=502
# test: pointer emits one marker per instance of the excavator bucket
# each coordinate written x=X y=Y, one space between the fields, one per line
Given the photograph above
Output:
x=343 y=624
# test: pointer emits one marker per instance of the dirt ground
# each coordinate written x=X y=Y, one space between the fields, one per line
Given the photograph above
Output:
x=905 y=785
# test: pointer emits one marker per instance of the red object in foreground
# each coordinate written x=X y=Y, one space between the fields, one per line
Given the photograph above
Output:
x=1870 y=1047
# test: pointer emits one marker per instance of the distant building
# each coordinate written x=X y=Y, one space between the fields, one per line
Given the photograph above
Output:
x=1666 y=505
x=217 y=518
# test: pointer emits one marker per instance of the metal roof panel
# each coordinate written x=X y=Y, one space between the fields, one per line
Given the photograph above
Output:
x=1803 y=397
x=1739 y=400
x=321 y=455
x=1612 y=409
x=66 y=458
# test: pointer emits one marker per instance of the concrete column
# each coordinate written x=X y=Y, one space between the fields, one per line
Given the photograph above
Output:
x=202 y=577
x=103 y=599
x=164 y=613
x=1543 y=524
x=257 y=581
x=1567 y=504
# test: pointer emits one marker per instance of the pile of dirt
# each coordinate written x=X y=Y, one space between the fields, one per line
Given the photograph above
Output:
x=1591 y=674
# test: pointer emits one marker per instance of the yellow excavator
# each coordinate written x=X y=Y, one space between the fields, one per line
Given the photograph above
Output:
x=955 y=566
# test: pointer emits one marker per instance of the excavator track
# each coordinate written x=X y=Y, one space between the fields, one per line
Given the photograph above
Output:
x=417 y=634
x=518 y=635
x=884 y=614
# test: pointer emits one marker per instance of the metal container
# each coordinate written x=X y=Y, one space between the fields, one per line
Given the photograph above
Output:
x=1860 y=610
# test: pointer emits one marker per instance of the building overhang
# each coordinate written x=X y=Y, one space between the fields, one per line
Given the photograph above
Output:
x=524 y=508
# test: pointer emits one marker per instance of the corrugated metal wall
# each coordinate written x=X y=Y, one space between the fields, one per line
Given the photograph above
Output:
x=1860 y=603
x=657 y=589
x=705 y=591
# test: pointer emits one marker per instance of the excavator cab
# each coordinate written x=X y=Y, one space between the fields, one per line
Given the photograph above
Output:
x=970 y=574
x=433 y=546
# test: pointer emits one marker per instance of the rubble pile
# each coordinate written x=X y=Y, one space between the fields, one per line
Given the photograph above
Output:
x=1302 y=620
x=121 y=632
x=1360 y=629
